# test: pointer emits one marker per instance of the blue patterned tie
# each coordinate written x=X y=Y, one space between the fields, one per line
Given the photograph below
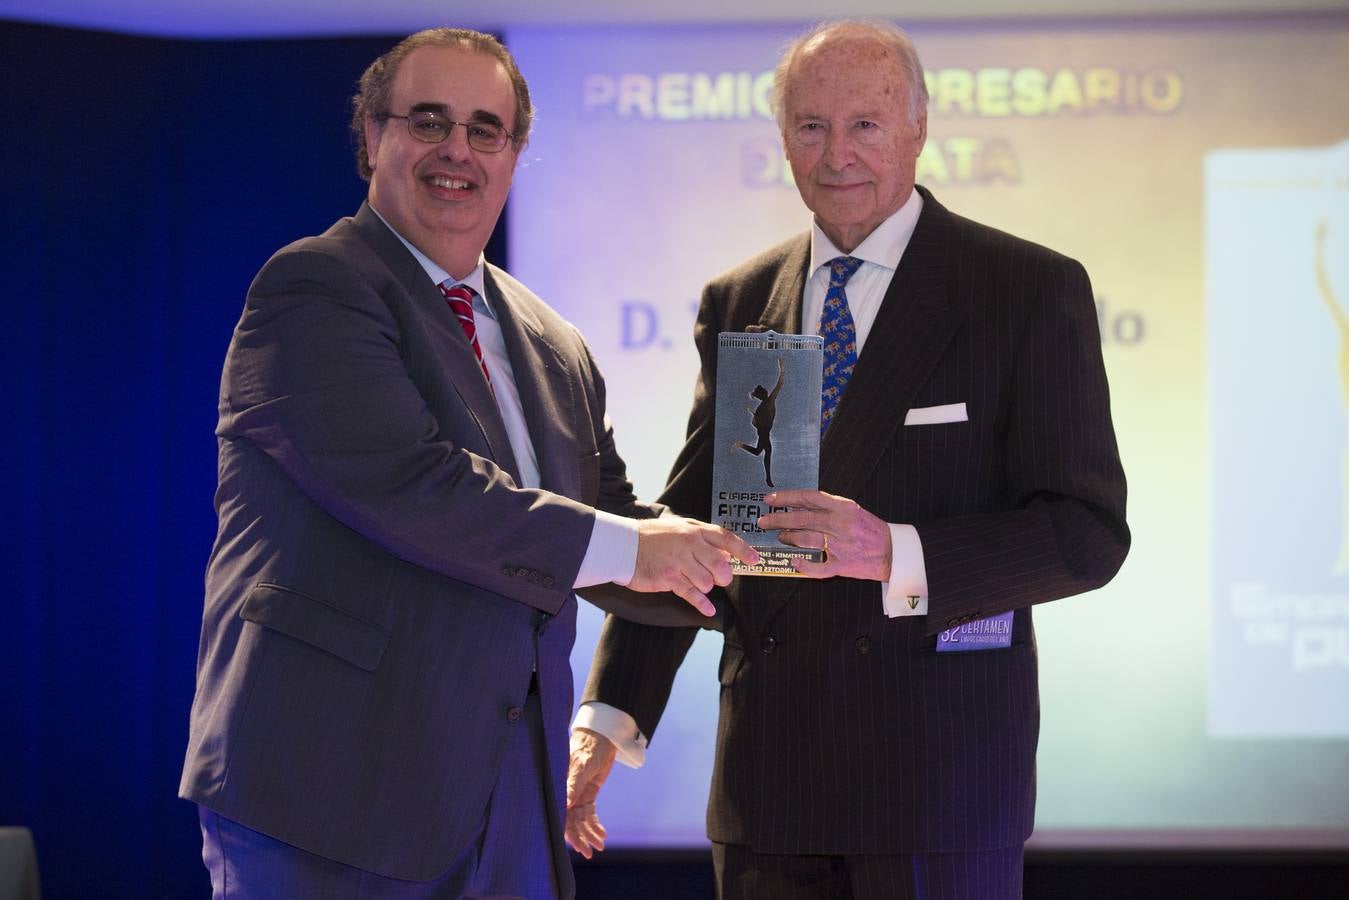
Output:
x=840 y=338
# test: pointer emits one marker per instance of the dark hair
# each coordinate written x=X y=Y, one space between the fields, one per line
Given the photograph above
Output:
x=376 y=84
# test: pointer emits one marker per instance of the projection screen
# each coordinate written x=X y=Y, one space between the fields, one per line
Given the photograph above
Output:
x=1200 y=171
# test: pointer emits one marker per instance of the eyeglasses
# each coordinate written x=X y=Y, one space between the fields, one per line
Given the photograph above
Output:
x=433 y=128
x=814 y=134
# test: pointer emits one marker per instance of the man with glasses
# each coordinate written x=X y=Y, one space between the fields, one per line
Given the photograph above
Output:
x=416 y=471
x=879 y=719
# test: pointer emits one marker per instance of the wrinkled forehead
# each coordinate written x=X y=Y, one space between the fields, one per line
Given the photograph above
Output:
x=832 y=72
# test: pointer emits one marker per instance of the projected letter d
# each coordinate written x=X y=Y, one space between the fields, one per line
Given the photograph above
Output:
x=640 y=324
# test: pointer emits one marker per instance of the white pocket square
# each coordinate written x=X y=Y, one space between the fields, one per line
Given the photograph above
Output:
x=936 y=415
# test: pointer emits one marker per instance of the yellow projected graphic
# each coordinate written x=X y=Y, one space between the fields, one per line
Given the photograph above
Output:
x=1342 y=322
x=996 y=92
x=987 y=92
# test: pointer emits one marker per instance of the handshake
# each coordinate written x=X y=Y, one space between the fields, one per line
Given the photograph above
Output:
x=686 y=557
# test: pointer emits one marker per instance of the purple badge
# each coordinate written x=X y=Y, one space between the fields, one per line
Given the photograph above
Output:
x=981 y=634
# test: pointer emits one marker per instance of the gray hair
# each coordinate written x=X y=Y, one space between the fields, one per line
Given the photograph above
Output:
x=886 y=32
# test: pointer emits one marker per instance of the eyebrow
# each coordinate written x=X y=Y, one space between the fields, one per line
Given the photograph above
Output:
x=868 y=116
x=480 y=116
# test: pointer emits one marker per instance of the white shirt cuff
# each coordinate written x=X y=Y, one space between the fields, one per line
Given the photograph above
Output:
x=618 y=727
x=905 y=594
x=612 y=552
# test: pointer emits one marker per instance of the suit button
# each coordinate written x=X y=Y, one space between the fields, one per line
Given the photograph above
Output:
x=863 y=644
x=514 y=713
x=549 y=581
x=768 y=644
x=508 y=571
x=534 y=577
x=522 y=572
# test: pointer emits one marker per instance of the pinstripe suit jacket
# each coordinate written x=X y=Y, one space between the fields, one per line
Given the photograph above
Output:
x=380 y=588
x=842 y=731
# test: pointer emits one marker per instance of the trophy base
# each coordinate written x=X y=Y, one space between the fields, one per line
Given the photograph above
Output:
x=777 y=561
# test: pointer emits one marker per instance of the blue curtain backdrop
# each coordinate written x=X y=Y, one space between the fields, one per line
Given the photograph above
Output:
x=145 y=182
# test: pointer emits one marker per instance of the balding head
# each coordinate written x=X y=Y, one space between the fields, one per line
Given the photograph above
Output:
x=883 y=33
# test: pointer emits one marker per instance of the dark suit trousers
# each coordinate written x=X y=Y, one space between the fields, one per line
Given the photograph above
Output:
x=516 y=854
x=743 y=874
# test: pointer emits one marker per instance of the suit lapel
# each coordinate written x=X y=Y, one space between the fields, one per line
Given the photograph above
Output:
x=461 y=364
x=783 y=311
x=542 y=380
x=912 y=329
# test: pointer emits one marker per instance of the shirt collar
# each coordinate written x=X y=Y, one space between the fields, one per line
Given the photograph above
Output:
x=883 y=247
x=474 y=279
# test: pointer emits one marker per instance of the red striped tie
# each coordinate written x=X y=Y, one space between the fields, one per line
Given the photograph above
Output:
x=460 y=298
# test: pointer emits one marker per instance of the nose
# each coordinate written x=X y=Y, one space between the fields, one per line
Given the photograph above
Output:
x=838 y=148
x=455 y=147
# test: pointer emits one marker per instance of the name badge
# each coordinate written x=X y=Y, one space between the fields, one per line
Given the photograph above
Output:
x=992 y=633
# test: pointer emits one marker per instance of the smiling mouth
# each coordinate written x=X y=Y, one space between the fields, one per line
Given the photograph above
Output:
x=449 y=183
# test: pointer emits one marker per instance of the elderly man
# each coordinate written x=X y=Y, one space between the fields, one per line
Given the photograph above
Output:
x=416 y=470
x=879 y=720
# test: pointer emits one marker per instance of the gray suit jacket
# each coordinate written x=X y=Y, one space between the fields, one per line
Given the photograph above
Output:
x=380 y=588
x=843 y=731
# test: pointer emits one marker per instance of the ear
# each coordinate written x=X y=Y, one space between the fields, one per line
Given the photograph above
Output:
x=920 y=133
x=516 y=151
x=374 y=130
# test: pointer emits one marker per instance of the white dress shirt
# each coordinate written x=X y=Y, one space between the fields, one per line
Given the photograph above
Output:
x=880 y=254
x=611 y=554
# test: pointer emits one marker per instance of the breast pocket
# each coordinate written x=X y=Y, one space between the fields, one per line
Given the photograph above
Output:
x=941 y=414
x=938 y=446
x=950 y=468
